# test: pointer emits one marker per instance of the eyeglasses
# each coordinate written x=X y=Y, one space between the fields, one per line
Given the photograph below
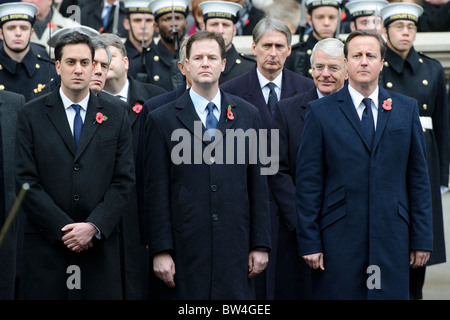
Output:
x=331 y=69
x=400 y=26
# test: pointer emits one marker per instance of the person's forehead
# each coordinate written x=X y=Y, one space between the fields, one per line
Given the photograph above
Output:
x=76 y=50
x=273 y=36
x=101 y=55
x=16 y=23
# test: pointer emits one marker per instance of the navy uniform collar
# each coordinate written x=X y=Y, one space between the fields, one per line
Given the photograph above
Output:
x=398 y=63
x=30 y=62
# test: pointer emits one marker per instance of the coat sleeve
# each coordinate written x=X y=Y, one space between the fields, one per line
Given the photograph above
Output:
x=40 y=207
x=258 y=198
x=282 y=183
x=157 y=188
x=419 y=194
x=309 y=185
x=106 y=215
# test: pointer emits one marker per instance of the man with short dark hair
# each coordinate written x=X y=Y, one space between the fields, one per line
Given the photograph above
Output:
x=363 y=197
x=75 y=152
x=203 y=245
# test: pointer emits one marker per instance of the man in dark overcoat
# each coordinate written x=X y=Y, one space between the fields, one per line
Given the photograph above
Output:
x=271 y=46
x=362 y=189
x=329 y=74
x=209 y=219
x=10 y=102
x=75 y=152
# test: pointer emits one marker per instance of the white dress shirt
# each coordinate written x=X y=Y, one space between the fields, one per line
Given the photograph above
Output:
x=265 y=89
x=200 y=104
x=360 y=106
x=70 y=112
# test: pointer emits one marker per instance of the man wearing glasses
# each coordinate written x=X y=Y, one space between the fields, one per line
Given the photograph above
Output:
x=418 y=76
x=329 y=75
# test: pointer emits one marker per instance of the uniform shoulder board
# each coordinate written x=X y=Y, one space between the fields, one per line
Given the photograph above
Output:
x=42 y=57
x=247 y=57
x=425 y=57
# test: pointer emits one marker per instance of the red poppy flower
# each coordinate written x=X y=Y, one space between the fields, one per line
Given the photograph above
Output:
x=51 y=25
x=230 y=115
x=137 y=108
x=387 y=104
x=99 y=117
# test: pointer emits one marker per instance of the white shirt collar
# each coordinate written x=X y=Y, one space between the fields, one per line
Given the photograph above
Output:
x=263 y=81
x=200 y=102
x=67 y=102
x=358 y=97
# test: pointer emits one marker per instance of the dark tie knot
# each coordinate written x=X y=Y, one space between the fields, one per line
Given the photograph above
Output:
x=77 y=108
x=367 y=102
x=210 y=106
x=271 y=86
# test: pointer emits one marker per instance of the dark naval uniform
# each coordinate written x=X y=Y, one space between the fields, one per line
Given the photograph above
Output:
x=158 y=67
x=237 y=64
x=27 y=77
x=299 y=60
x=136 y=69
x=422 y=78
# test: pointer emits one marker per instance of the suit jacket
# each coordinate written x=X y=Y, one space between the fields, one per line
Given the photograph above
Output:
x=360 y=207
x=248 y=88
x=89 y=183
x=289 y=119
x=91 y=16
x=9 y=103
x=208 y=215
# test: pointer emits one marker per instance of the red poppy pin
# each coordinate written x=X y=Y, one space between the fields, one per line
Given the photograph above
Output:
x=137 y=108
x=99 y=117
x=51 y=25
x=387 y=104
x=230 y=115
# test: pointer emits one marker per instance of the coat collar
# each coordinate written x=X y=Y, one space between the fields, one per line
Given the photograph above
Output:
x=398 y=63
x=347 y=107
x=58 y=117
x=187 y=114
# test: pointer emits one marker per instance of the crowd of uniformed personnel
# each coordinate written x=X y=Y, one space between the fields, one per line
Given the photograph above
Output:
x=153 y=34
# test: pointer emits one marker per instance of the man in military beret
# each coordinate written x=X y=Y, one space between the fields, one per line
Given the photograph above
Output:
x=324 y=19
x=21 y=70
x=420 y=77
x=170 y=16
x=221 y=17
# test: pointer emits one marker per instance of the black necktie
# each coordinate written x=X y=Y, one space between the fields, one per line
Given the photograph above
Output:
x=77 y=123
x=211 y=120
x=367 y=121
x=273 y=99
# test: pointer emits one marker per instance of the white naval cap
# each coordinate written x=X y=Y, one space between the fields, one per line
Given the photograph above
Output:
x=62 y=32
x=17 y=11
x=160 y=7
x=137 y=6
x=401 y=11
x=312 y=4
x=361 y=8
x=220 y=9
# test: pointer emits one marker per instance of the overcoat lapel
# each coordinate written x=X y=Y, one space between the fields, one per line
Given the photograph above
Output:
x=90 y=124
x=132 y=94
x=58 y=117
x=383 y=116
x=346 y=105
x=187 y=114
